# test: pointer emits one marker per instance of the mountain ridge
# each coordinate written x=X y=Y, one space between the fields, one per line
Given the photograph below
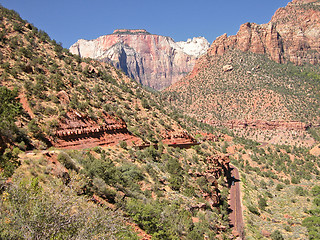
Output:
x=153 y=60
x=265 y=72
x=291 y=32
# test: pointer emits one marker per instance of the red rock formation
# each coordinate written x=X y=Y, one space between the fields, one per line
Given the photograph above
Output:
x=153 y=60
x=172 y=138
x=291 y=35
x=76 y=131
x=264 y=125
x=217 y=166
x=209 y=137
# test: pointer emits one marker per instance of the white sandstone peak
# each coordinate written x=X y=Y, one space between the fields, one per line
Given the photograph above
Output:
x=195 y=47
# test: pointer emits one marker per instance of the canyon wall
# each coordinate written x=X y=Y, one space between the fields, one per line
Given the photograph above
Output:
x=291 y=35
x=153 y=60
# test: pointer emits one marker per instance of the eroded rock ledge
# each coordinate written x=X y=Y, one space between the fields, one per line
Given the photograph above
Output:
x=77 y=131
x=263 y=124
x=217 y=166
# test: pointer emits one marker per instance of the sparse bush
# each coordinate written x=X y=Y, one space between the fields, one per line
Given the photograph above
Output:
x=276 y=235
x=315 y=191
x=34 y=212
x=262 y=203
x=123 y=144
x=316 y=201
x=145 y=103
x=279 y=187
x=295 y=180
x=253 y=210
x=67 y=161
x=299 y=191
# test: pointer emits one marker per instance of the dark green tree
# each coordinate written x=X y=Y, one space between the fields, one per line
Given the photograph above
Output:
x=276 y=235
x=10 y=109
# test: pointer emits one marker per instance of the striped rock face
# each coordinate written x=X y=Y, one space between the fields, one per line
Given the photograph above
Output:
x=153 y=60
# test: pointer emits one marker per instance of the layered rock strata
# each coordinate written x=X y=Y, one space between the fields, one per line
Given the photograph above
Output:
x=292 y=35
x=76 y=131
x=177 y=138
x=153 y=60
x=263 y=125
x=235 y=83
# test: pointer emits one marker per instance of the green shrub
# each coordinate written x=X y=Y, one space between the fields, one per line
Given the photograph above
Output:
x=29 y=211
x=145 y=103
x=276 y=235
x=279 y=186
x=123 y=144
x=162 y=220
x=299 y=191
x=316 y=201
x=295 y=180
x=262 y=203
x=8 y=163
x=315 y=191
x=253 y=210
x=313 y=226
x=67 y=161
x=10 y=109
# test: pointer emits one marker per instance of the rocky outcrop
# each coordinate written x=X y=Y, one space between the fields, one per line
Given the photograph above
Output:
x=263 y=125
x=217 y=166
x=180 y=139
x=227 y=68
x=153 y=60
x=77 y=131
x=177 y=137
x=291 y=35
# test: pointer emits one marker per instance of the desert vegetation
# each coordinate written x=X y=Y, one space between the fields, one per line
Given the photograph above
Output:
x=164 y=192
x=95 y=193
x=288 y=92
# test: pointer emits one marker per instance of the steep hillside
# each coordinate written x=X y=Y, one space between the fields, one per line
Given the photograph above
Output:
x=87 y=153
x=278 y=184
x=152 y=60
x=250 y=80
x=64 y=95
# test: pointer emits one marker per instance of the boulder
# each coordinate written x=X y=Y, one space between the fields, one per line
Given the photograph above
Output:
x=227 y=68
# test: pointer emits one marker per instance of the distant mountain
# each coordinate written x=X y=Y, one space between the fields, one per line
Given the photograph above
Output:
x=153 y=60
x=292 y=35
x=265 y=72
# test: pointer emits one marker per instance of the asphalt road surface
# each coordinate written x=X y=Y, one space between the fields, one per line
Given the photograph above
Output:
x=235 y=216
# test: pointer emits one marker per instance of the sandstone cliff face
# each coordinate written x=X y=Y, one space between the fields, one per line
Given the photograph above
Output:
x=77 y=131
x=291 y=35
x=264 y=125
x=153 y=60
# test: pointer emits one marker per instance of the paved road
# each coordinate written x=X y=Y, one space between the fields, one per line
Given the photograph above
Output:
x=236 y=218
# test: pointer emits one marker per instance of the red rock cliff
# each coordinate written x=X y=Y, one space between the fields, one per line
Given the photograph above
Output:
x=291 y=35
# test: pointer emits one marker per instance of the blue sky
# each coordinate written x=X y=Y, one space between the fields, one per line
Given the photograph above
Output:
x=66 y=21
